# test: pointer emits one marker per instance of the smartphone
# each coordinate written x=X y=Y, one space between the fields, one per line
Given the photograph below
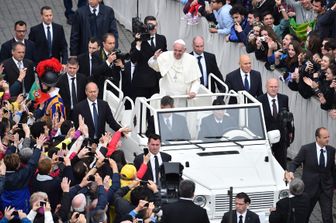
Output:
x=64 y=146
x=90 y=153
x=145 y=151
x=15 y=213
x=61 y=159
x=77 y=215
x=42 y=203
x=143 y=182
x=106 y=161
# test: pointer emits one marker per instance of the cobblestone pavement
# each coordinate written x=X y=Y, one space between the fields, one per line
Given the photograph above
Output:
x=29 y=11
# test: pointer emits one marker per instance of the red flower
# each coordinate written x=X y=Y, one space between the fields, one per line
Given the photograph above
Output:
x=50 y=64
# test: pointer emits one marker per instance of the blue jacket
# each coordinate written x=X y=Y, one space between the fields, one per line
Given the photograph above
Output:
x=242 y=36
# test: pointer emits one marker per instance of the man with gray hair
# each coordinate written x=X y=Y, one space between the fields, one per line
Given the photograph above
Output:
x=292 y=209
x=179 y=70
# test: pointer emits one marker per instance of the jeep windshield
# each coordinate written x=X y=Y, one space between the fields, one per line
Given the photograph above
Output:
x=214 y=124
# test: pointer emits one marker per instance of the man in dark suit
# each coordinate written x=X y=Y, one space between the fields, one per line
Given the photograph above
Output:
x=49 y=38
x=109 y=67
x=89 y=60
x=156 y=158
x=244 y=78
x=171 y=126
x=146 y=80
x=92 y=20
x=216 y=124
x=207 y=63
x=292 y=209
x=127 y=86
x=19 y=72
x=20 y=29
x=241 y=214
x=274 y=104
x=96 y=113
x=184 y=210
x=318 y=175
x=72 y=87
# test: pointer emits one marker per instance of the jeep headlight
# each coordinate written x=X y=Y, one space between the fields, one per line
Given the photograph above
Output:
x=200 y=200
x=283 y=194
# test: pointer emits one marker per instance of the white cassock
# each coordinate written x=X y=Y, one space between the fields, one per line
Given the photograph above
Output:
x=179 y=77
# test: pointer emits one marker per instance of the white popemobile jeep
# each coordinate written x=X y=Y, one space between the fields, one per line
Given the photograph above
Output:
x=240 y=158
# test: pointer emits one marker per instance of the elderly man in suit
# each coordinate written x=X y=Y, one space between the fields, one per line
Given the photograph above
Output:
x=156 y=159
x=318 y=175
x=184 y=210
x=49 y=38
x=241 y=214
x=146 y=80
x=274 y=104
x=244 y=78
x=292 y=209
x=207 y=64
x=20 y=30
x=96 y=113
x=19 y=72
x=92 y=20
x=72 y=87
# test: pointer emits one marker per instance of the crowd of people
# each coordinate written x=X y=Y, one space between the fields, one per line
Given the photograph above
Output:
x=59 y=164
x=297 y=38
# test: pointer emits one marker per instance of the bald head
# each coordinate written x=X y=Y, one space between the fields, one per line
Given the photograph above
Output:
x=198 y=45
x=272 y=87
x=179 y=48
x=245 y=63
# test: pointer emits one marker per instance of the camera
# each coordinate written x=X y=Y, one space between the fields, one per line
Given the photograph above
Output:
x=143 y=182
x=143 y=29
x=42 y=203
x=91 y=178
x=262 y=38
x=120 y=55
x=60 y=159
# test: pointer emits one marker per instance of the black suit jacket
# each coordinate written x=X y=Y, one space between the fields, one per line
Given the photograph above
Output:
x=314 y=177
x=209 y=126
x=6 y=50
x=138 y=160
x=179 y=128
x=11 y=72
x=271 y=122
x=144 y=76
x=127 y=81
x=184 y=211
x=300 y=204
x=104 y=116
x=251 y=217
x=211 y=67
x=63 y=84
x=235 y=82
x=84 y=64
x=80 y=29
x=59 y=43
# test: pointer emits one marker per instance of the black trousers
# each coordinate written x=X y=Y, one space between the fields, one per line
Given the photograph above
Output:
x=279 y=151
x=325 y=200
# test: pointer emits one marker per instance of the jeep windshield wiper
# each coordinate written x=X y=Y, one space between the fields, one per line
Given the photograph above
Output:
x=187 y=140
x=224 y=137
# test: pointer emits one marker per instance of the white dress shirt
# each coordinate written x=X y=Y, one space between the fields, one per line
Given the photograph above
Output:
x=152 y=162
x=70 y=87
x=318 y=152
x=243 y=214
x=46 y=30
x=270 y=102
x=97 y=9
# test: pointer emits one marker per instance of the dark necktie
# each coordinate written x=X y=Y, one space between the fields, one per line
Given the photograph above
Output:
x=201 y=69
x=156 y=160
x=240 y=219
x=152 y=43
x=73 y=92
x=49 y=40
x=95 y=118
x=274 y=109
x=246 y=83
x=322 y=160
x=93 y=23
